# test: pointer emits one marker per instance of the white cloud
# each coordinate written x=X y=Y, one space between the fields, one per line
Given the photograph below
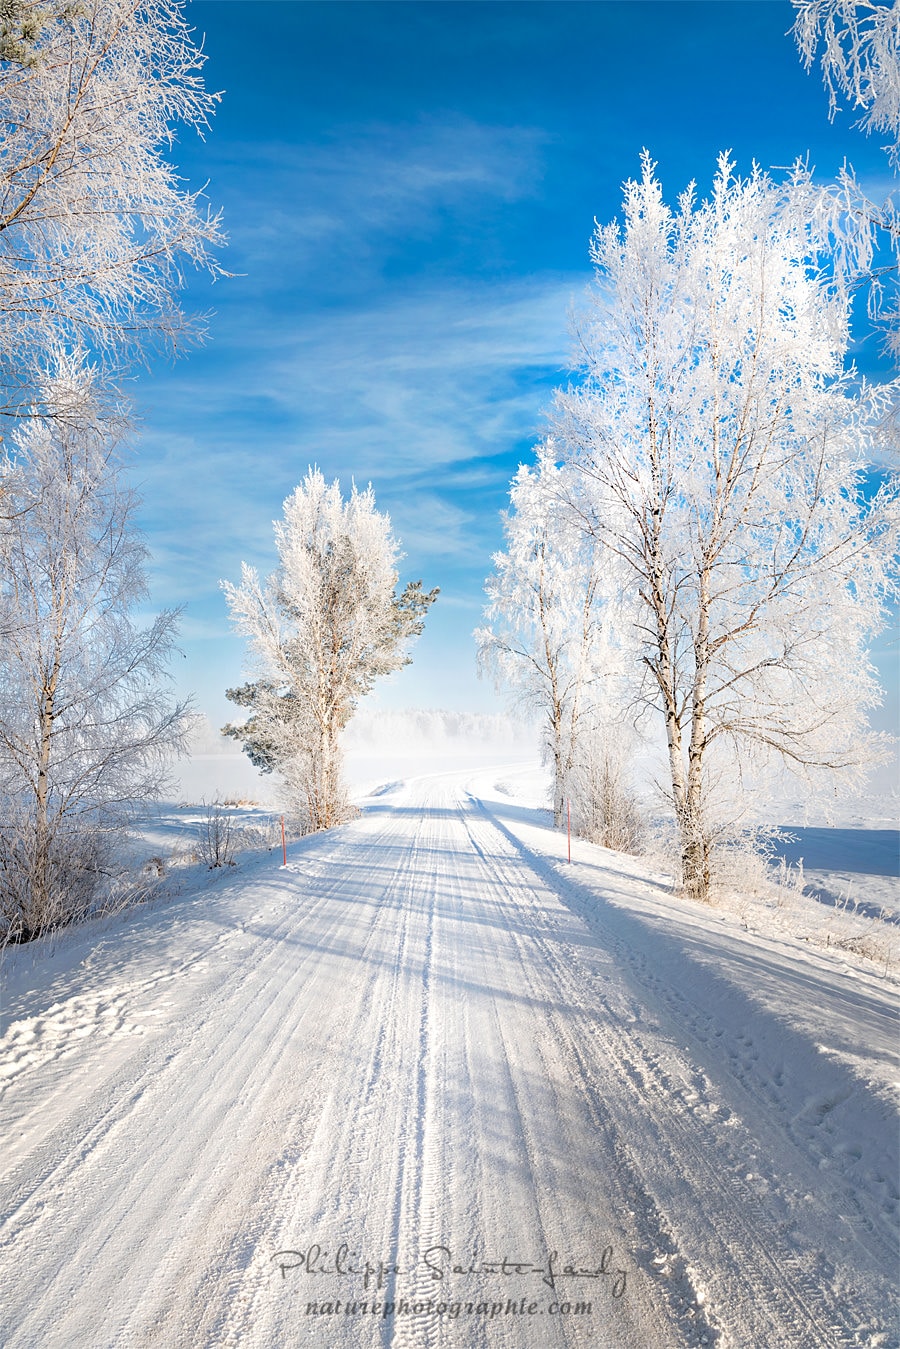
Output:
x=426 y=396
x=369 y=182
x=345 y=341
x=430 y=396
x=436 y=377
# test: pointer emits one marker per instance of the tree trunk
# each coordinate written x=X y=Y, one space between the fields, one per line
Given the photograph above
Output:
x=559 y=784
x=694 y=835
x=694 y=853
x=686 y=789
x=40 y=887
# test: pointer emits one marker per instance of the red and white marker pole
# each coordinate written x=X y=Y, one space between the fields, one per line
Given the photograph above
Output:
x=283 y=845
x=569 y=825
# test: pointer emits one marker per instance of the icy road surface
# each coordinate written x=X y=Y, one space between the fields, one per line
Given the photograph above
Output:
x=429 y=1086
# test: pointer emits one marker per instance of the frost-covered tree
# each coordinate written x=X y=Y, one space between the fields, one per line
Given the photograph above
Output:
x=723 y=447
x=323 y=628
x=95 y=224
x=86 y=725
x=557 y=623
x=860 y=58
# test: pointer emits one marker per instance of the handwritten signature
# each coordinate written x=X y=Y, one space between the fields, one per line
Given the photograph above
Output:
x=345 y=1262
x=441 y=1265
x=439 y=1260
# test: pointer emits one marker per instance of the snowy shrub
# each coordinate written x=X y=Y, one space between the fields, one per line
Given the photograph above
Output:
x=604 y=808
x=745 y=861
x=49 y=882
x=218 y=836
x=264 y=833
x=742 y=862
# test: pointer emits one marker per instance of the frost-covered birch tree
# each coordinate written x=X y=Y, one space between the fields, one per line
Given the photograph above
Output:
x=326 y=624
x=724 y=445
x=86 y=724
x=557 y=626
x=95 y=225
x=860 y=58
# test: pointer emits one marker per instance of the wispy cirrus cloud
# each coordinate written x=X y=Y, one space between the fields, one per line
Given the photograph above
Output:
x=368 y=192
x=440 y=387
x=371 y=328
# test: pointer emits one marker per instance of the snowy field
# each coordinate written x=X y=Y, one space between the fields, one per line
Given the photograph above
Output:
x=431 y=1085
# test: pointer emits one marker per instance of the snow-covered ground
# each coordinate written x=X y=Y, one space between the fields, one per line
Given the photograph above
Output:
x=431 y=1085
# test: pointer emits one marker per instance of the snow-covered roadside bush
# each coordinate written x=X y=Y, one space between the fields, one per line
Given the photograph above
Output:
x=47 y=882
x=605 y=809
x=217 y=836
x=222 y=834
x=767 y=894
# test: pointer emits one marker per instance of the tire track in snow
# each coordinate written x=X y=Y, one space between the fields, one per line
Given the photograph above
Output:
x=406 y=1039
x=455 y=1136
x=414 y=1190
x=338 y=1150
x=338 y=1187
x=201 y=1127
x=741 y=1247
x=559 y=1061
x=756 y=1281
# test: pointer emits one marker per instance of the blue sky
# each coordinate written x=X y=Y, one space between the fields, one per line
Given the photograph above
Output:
x=409 y=191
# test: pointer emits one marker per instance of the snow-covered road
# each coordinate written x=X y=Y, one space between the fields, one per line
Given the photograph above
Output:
x=425 y=1086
